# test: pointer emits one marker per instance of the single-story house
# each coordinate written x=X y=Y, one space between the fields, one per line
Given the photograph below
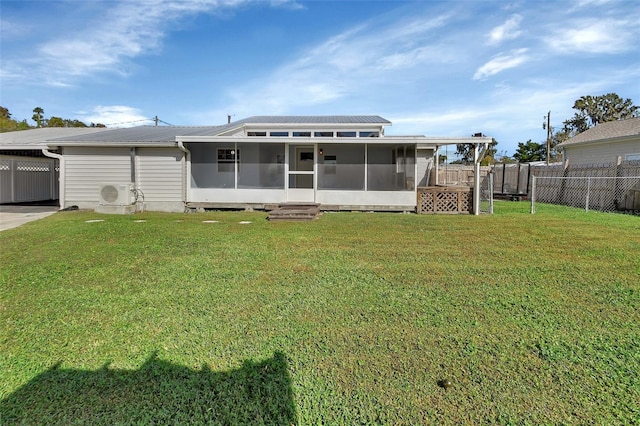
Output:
x=609 y=142
x=339 y=162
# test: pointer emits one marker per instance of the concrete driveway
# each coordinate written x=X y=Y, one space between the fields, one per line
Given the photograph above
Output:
x=12 y=216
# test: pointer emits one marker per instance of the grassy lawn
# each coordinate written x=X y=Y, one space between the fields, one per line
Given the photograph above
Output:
x=350 y=319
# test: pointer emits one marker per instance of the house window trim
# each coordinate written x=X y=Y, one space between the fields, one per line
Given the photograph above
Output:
x=632 y=157
x=235 y=153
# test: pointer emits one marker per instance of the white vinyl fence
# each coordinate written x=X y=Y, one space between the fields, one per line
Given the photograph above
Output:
x=27 y=179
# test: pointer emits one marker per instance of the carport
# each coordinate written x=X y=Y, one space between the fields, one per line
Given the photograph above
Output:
x=28 y=172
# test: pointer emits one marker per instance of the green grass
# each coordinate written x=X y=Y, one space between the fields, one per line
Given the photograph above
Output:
x=350 y=319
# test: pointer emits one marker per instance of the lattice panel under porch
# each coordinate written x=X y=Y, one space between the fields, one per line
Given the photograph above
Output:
x=438 y=200
x=426 y=203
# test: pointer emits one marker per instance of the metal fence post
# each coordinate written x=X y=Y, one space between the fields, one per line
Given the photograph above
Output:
x=533 y=194
x=13 y=167
x=490 y=193
x=586 y=201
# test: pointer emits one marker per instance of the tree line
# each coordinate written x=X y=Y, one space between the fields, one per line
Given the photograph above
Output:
x=8 y=124
x=590 y=111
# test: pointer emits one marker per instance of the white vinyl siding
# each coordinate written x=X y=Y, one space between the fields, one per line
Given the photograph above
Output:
x=600 y=152
x=159 y=174
x=86 y=168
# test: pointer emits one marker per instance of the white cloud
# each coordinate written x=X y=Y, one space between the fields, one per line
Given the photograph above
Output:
x=115 y=116
x=287 y=4
x=580 y=4
x=446 y=123
x=595 y=36
x=10 y=29
x=502 y=62
x=365 y=56
x=507 y=31
x=105 y=44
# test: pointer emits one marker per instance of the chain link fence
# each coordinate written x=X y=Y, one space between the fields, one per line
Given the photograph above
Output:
x=605 y=194
x=486 y=194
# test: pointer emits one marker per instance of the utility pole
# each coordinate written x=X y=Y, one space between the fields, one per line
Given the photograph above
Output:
x=156 y=119
x=547 y=125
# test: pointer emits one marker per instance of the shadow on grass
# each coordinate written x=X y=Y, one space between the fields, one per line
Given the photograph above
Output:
x=159 y=392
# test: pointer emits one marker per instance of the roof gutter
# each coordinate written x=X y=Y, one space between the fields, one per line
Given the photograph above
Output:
x=61 y=174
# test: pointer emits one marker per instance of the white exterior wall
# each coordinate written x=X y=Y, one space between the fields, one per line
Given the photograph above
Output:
x=425 y=161
x=350 y=199
x=86 y=168
x=237 y=196
x=605 y=152
x=370 y=199
x=159 y=176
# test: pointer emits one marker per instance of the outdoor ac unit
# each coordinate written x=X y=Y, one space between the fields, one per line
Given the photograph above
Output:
x=116 y=194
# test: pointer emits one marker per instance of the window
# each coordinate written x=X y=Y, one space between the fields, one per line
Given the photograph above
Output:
x=323 y=134
x=206 y=170
x=301 y=134
x=262 y=166
x=306 y=156
x=330 y=165
x=346 y=134
x=227 y=157
x=369 y=134
x=631 y=157
x=256 y=133
x=279 y=134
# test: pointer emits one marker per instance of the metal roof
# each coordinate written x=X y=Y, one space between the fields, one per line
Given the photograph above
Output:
x=313 y=119
x=605 y=131
x=168 y=134
x=159 y=135
x=36 y=138
x=297 y=120
x=141 y=134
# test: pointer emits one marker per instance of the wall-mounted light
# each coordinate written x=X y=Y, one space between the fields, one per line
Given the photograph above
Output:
x=321 y=152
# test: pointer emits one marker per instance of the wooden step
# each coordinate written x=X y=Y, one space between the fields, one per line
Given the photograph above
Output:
x=294 y=212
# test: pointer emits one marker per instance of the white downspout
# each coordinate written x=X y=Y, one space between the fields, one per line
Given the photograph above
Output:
x=187 y=171
x=61 y=175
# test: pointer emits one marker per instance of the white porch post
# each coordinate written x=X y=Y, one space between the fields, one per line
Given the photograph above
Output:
x=476 y=180
x=437 y=165
x=186 y=171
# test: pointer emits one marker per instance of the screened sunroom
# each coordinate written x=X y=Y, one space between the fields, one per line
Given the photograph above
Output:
x=332 y=171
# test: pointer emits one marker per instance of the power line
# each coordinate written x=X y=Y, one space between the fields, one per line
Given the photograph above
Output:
x=129 y=122
x=155 y=119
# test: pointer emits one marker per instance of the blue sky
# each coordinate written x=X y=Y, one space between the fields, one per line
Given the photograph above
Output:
x=433 y=68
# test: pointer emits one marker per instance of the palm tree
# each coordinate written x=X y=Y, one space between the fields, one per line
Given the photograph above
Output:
x=37 y=116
